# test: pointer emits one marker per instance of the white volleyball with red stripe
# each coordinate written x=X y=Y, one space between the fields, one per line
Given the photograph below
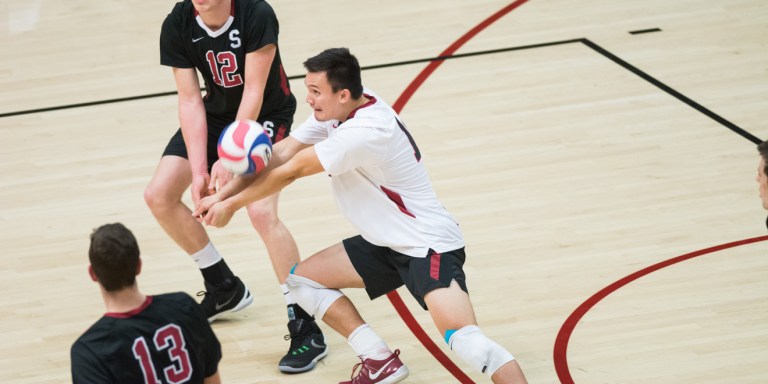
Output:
x=244 y=147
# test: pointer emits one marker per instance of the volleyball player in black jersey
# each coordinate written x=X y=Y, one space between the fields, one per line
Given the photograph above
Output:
x=233 y=45
x=141 y=339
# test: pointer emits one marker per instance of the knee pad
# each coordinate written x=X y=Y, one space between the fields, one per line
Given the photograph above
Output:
x=474 y=348
x=312 y=296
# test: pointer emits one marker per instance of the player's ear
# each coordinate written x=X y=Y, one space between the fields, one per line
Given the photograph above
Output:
x=138 y=267
x=345 y=96
x=90 y=273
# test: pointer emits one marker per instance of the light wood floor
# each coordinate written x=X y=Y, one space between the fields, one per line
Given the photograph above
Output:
x=567 y=171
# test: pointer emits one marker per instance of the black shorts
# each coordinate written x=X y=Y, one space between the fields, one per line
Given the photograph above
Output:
x=384 y=270
x=278 y=125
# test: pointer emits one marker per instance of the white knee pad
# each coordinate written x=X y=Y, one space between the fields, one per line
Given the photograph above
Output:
x=312 y=296
x=477 y=350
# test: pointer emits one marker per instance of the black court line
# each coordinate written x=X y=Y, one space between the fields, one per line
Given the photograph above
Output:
x=733 y=127
x=294 y=77
x=640 y=31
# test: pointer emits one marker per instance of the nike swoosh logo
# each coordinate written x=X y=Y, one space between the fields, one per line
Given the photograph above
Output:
x=222 y=305
x=198 y=39
x=376 y=374
x=316 y=345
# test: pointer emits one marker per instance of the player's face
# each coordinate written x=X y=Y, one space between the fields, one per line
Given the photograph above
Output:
x=762 y=179
x=326 y=104
x=203 y=6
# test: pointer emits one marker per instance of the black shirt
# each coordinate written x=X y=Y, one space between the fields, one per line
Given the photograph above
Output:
x=167 y=339
x=185 y=42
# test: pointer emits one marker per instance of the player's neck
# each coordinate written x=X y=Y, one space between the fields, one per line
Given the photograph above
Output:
x=215 y=18
x=355 y=105
x=124 y=300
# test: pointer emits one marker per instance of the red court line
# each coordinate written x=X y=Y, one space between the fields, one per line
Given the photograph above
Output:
x=393 y=296
x=427 y=71
x=564 y=335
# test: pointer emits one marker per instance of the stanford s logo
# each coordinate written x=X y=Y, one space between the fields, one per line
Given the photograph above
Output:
x=235 y=39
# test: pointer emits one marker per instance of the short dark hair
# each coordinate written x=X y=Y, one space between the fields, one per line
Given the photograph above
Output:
x=114 y=256
x=341 y=69
x=763 y=149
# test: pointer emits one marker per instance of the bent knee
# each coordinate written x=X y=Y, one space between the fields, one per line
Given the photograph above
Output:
x=262 y=216
x=312 y=296
x=477 y=350
x=159 y=197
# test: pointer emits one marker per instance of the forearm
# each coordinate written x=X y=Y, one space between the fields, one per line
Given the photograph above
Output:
x=250 y=104
x=264 y=185
x=195 y=131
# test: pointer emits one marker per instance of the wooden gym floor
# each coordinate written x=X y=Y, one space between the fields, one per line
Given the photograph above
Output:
x=598 y=155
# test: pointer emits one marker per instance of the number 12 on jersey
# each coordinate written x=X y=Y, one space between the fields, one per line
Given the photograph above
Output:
x=223 y=68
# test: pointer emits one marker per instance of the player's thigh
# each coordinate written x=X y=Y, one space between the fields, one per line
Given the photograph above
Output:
x=330 y=267
x=450 y=307
x=172 y=177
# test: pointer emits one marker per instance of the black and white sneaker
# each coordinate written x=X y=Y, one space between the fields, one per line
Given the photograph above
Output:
x=230 y=296
x=307 y=346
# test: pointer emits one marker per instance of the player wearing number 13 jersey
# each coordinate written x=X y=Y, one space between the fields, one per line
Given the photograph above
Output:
x=165 y=340
x=141 y=339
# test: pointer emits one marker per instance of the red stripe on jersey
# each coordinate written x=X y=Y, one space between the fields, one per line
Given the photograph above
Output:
x=371 y=101
x=131 y=313
x=434 y=266
x=284 y=81
x=280 y=134
x=398 y=200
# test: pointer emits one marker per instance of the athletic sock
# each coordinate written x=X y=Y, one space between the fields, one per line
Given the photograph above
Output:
x=287 y=294
x=213 y=267
x=367 y=344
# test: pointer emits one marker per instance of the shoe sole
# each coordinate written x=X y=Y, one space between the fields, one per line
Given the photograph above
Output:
x=244 y=302
x=308 y=367
x=396 y=377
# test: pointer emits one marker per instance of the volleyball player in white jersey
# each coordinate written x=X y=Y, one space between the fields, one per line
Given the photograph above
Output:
x=382 y=187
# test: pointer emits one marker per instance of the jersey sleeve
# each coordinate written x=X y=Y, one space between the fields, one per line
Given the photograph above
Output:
x=86 y=367
x=352 y=147
x=261 y=26
x=311 y=131
x=172 y=51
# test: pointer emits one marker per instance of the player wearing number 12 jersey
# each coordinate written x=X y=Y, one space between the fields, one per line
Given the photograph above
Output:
x=141 y=339
x=233 y=45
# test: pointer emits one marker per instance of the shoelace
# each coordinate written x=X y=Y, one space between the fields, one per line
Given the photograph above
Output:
x=358 y=365
x=298 y=338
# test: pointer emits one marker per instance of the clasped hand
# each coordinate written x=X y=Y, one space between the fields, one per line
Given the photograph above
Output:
x=213 y=211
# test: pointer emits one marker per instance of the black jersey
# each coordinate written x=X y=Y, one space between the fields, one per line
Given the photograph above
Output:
x=186 y=42
x=166 y=340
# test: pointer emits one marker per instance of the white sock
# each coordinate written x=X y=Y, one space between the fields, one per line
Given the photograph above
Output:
x=367 y=344
x=287 y=294
x=207 y=256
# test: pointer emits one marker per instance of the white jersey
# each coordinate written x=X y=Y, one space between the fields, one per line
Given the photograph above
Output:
x=379 y=181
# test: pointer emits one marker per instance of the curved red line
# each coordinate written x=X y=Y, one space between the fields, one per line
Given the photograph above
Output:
x=427 y=71
x=398 y=105
x=563 y=336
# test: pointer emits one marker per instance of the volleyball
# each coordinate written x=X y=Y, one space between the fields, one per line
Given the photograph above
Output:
x=244 y=147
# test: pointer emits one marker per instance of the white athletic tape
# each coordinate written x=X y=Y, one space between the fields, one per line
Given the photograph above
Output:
x=477 y=350
x=312 y=296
